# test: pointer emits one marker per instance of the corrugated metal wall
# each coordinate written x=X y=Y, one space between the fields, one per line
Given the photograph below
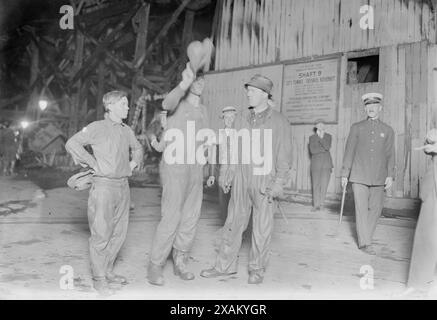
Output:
x=255 y=32
x=274 y=31
x=407 y=80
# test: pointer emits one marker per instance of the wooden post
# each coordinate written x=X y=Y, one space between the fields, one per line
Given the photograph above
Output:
x=100 y=90
x=34 y=70
x=140 y=51
x=187 y=35
x=75 y=106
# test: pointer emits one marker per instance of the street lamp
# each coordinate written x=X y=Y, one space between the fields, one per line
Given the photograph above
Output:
x=24 y=124
x=42 y=104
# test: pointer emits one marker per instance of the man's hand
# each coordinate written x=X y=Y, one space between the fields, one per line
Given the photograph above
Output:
x=320 y=133
x=188 y=77
x=428 y=148
x=210 y=181
x=388 y=183
x=132 y=165
x=344 y=182
x=274 y=190
x=225 y=185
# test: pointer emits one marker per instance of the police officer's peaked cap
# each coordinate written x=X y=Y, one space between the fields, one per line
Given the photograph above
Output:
x=372 y=97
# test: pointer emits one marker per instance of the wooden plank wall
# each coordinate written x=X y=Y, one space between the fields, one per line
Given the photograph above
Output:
x=408 y=82
x=267 y=31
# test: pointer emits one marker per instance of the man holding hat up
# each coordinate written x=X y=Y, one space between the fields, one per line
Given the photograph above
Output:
x=251 y=193
x=369 y=164
x=182 y=183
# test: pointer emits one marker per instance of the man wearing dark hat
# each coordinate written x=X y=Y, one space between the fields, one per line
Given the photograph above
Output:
x=321 y=164
x=369 y=164
x=109 y=197
x=251 y=193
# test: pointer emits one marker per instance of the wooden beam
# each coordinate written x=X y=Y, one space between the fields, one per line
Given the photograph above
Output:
x=7 y=102
x=187 y=33
x=166 y=27
x=139 y=56
x=75 y=105
x=109 y=39
x=100 y=90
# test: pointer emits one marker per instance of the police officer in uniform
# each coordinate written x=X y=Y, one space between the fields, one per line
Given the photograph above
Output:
x=369 y=164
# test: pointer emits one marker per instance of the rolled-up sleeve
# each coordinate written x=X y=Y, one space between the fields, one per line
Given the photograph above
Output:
x=75 y=146
x=173 y=98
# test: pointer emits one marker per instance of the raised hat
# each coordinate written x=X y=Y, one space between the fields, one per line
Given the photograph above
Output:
x=199 y=54
x=261 y=82
x=81 y=181
x=371 y=97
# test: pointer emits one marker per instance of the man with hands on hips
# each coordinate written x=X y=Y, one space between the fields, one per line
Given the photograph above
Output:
x=109 y=197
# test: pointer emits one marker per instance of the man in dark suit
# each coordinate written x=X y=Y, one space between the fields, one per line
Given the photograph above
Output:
x=369 y=164
x=321 y=164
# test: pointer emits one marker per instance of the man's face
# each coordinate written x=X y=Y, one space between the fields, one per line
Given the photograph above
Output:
x=228 y=119
x=120 y=108
x=373 y=110
x=256 y=96
x=197 y=86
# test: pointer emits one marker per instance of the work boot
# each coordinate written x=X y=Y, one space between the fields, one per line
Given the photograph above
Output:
x=255 y=277
x=115 y=278
x=368 y=249
x=154 y=274
x=214 y=273
x=102 y=287
x=179 y=264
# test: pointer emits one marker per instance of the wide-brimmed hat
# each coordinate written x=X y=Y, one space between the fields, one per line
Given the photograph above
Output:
x=261 y=82
x=199 y=54
x=81 y=181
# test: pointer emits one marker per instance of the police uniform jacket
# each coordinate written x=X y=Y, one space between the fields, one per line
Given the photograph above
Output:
x=369 y=156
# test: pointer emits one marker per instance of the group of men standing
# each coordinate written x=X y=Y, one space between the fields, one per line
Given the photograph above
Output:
x=368 y=164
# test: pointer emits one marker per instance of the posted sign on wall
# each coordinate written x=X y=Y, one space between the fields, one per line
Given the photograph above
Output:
x=310 y=91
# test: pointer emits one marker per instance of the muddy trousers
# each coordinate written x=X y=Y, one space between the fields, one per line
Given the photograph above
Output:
x=320 y=181
x=182 y=193
x=108 y=216
x=369 y=201
x=246 y=199
x=424 y=254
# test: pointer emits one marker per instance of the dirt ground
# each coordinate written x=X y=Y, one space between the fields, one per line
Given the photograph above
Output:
x=44 y=232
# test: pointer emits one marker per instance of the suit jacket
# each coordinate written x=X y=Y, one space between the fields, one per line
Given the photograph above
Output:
x=369 y=157
x=319 y=149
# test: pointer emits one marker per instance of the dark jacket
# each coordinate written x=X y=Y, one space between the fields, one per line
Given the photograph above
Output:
x=369 y=157
x=319 y=149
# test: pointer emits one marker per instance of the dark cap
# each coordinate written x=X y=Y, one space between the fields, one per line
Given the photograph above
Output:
x=260 y=82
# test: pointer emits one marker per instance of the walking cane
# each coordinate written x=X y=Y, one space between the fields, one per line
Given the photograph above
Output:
x=342 y=202
x=282 y=212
